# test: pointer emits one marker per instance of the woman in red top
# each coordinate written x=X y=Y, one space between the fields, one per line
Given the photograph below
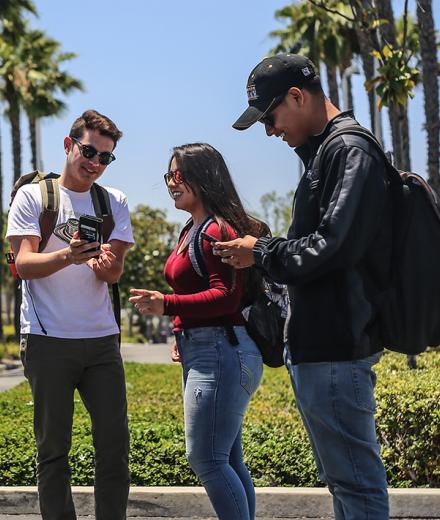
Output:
x=222 y=366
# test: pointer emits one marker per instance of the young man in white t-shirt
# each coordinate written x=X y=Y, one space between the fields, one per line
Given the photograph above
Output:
x=69 y=335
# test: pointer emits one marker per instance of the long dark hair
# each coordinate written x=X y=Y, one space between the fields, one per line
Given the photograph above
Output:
x=206 y=174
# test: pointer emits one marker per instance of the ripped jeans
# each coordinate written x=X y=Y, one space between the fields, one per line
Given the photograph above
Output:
x=218 y=382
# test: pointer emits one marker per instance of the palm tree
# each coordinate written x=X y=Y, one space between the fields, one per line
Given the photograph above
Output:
x=366 y=57
x=398 y=113
x=1 y=241
x=428 y=49
x=11 y=27
x=42 y=59
x=12 y=9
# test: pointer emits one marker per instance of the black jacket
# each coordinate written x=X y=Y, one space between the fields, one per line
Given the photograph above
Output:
x=336 y=258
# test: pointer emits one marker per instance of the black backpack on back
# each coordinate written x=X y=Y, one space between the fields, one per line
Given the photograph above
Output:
x=409 y=309
x=264 y=303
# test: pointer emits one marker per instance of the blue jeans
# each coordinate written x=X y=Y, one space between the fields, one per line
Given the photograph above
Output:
x=218 y=382
x=337 y=405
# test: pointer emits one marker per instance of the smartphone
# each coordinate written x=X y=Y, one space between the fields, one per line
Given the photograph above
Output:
x=90 y=229
x=209 y=238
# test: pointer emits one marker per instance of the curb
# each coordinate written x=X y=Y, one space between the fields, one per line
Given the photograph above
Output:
x=169 y=502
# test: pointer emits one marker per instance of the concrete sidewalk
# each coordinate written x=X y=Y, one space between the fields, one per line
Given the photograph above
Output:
x=132 y=352
x=11 y=378
x=146 y=353
x=192 y=502
x=38 y=517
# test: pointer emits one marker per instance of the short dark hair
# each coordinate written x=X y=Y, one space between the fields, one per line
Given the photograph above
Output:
x=93 y=120
x=314 y=86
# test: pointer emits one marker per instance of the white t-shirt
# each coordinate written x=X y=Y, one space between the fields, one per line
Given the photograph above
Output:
x=73 y=302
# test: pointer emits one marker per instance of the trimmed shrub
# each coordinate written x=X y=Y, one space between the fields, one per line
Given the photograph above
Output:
x=275 y=443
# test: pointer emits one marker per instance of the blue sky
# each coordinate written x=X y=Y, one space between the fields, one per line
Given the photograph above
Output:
x=175 y=72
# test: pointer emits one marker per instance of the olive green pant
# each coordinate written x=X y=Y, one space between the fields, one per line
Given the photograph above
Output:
x=55 y=367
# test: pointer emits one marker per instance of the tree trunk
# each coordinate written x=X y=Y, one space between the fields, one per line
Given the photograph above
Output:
x=14 y=120
x=393 y=114
x=332 y=84
x=404 y=133
x=368 y=66
x=350 y=94
x=33 y=140
x=348 y=85
x=428 y=51
x=398 y=114
x=387 y=30
x=1 y=242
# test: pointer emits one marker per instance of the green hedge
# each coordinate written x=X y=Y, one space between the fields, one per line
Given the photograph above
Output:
x=275 y=443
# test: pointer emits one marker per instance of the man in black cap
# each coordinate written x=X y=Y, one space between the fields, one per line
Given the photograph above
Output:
x=335 y=261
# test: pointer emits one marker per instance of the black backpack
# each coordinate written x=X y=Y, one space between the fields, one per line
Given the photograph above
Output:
x=50 y=193
x=409 y=308
x=264 y=303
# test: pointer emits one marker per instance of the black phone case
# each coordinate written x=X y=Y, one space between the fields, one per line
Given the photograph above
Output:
x=208 y=237
x=90 y=229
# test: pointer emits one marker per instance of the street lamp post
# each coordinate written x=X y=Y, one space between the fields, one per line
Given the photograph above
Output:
x=346 y=75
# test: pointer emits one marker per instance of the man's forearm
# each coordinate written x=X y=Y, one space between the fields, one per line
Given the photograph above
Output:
x=32 y=265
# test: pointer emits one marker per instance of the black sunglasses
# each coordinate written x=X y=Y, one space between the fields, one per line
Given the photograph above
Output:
x=88 y=151
x=267 y=119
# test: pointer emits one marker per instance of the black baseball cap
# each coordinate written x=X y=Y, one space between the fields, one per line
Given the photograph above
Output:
x=268 y=83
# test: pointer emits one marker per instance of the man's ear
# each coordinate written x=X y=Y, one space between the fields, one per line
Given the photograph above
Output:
x=68 y=144
x=297 y=94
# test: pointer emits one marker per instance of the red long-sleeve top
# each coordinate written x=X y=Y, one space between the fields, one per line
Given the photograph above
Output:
x=193 y=304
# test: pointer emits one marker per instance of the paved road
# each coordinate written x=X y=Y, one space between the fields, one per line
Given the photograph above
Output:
x=146 y=352
x=135 y=352
x=10 y=378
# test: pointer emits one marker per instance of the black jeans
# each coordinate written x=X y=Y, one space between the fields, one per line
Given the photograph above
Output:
x=55 y=367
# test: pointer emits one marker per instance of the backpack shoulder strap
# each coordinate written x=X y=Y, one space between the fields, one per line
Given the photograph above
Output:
x=50 y=194
x=198 y=263
x=30 y=178
x=195 y=249
x=358 y=130
x=103 y=209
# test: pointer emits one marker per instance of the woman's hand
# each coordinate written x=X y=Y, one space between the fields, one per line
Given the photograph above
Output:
x=148 y=302
x=175 y=355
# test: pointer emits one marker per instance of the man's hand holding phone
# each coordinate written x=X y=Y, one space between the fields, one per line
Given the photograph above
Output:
x=79 y=251
x=86 y=247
